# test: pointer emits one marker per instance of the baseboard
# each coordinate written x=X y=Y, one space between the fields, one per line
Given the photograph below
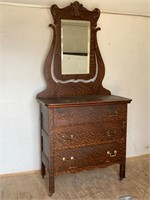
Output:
x=143 y=155
x=38 y=171
x=21 y=173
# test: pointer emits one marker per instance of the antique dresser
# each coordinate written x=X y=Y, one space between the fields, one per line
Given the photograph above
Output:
x=83 y=126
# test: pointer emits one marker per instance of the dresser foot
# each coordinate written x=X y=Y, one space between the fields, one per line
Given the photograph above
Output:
x=122 y=171
x=51 y=185
x=50 y=194
x=43 y=171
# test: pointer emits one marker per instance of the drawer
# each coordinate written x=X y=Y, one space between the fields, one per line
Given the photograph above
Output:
x=89 y=114
x=83 y=135
x=73 y=159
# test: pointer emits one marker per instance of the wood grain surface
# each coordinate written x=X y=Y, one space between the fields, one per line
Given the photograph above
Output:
x=91 y=134
x=91 y=156
x=75 y=11
x=75 y=138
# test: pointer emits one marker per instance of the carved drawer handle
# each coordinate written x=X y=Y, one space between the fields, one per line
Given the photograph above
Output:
x=111 y=134
x=68 y=138
x=112 y=155
x=65 y=159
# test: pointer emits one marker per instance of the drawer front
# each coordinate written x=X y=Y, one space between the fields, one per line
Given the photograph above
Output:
x=83 y=135
x=89 y=114
x=74 y=159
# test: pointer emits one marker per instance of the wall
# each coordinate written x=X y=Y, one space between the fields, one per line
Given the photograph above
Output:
x=148 y=74
x=139 y=7
x=125 y=51
x=24 y=41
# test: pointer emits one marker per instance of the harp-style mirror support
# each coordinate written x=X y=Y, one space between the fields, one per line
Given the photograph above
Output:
x=74 y=65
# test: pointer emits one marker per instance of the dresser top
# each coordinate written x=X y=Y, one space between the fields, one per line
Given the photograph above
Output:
x=92 y=100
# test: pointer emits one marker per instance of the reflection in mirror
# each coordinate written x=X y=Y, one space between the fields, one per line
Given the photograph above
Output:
x=75 y=47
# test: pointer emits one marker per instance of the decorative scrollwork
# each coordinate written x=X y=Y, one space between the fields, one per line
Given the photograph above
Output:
x=76 y=8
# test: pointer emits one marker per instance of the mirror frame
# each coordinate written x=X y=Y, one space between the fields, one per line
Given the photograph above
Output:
x=74 y=12
x=59 y=85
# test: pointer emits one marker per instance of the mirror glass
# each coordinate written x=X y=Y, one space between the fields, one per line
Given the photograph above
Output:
x=75 y=47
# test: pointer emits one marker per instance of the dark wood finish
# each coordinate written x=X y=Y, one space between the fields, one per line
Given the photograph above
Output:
x=83 y=134
x=82 y=125
x=92 y=134
x=89 y=156
x=75 y=11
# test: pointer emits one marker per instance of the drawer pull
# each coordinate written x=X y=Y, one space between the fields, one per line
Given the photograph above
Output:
x=112 y=155
x=111 y=134
x=67 y=138
x=64 y=159
x=72 y=158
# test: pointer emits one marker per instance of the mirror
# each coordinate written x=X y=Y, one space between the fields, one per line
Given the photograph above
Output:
x=75 y=47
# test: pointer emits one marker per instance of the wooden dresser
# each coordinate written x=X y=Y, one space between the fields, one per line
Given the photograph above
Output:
x=83 y=132
x=83 y=126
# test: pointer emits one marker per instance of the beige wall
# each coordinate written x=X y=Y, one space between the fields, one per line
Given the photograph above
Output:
x=148 y=74
x=24 y=41
x=121 y=6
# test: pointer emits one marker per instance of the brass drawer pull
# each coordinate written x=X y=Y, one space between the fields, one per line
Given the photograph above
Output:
x=112 y=155
x=65 y=159
x=68 y=138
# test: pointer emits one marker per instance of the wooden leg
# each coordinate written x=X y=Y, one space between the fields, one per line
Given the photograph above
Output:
x=51 y=185
x=43 y=171
x=122 y=171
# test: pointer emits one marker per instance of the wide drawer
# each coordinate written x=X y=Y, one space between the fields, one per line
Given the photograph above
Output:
x=75 y=159
x=91 y=134
x=89 y=114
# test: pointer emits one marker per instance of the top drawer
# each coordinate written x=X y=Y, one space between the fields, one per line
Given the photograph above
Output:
x=89 y=114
